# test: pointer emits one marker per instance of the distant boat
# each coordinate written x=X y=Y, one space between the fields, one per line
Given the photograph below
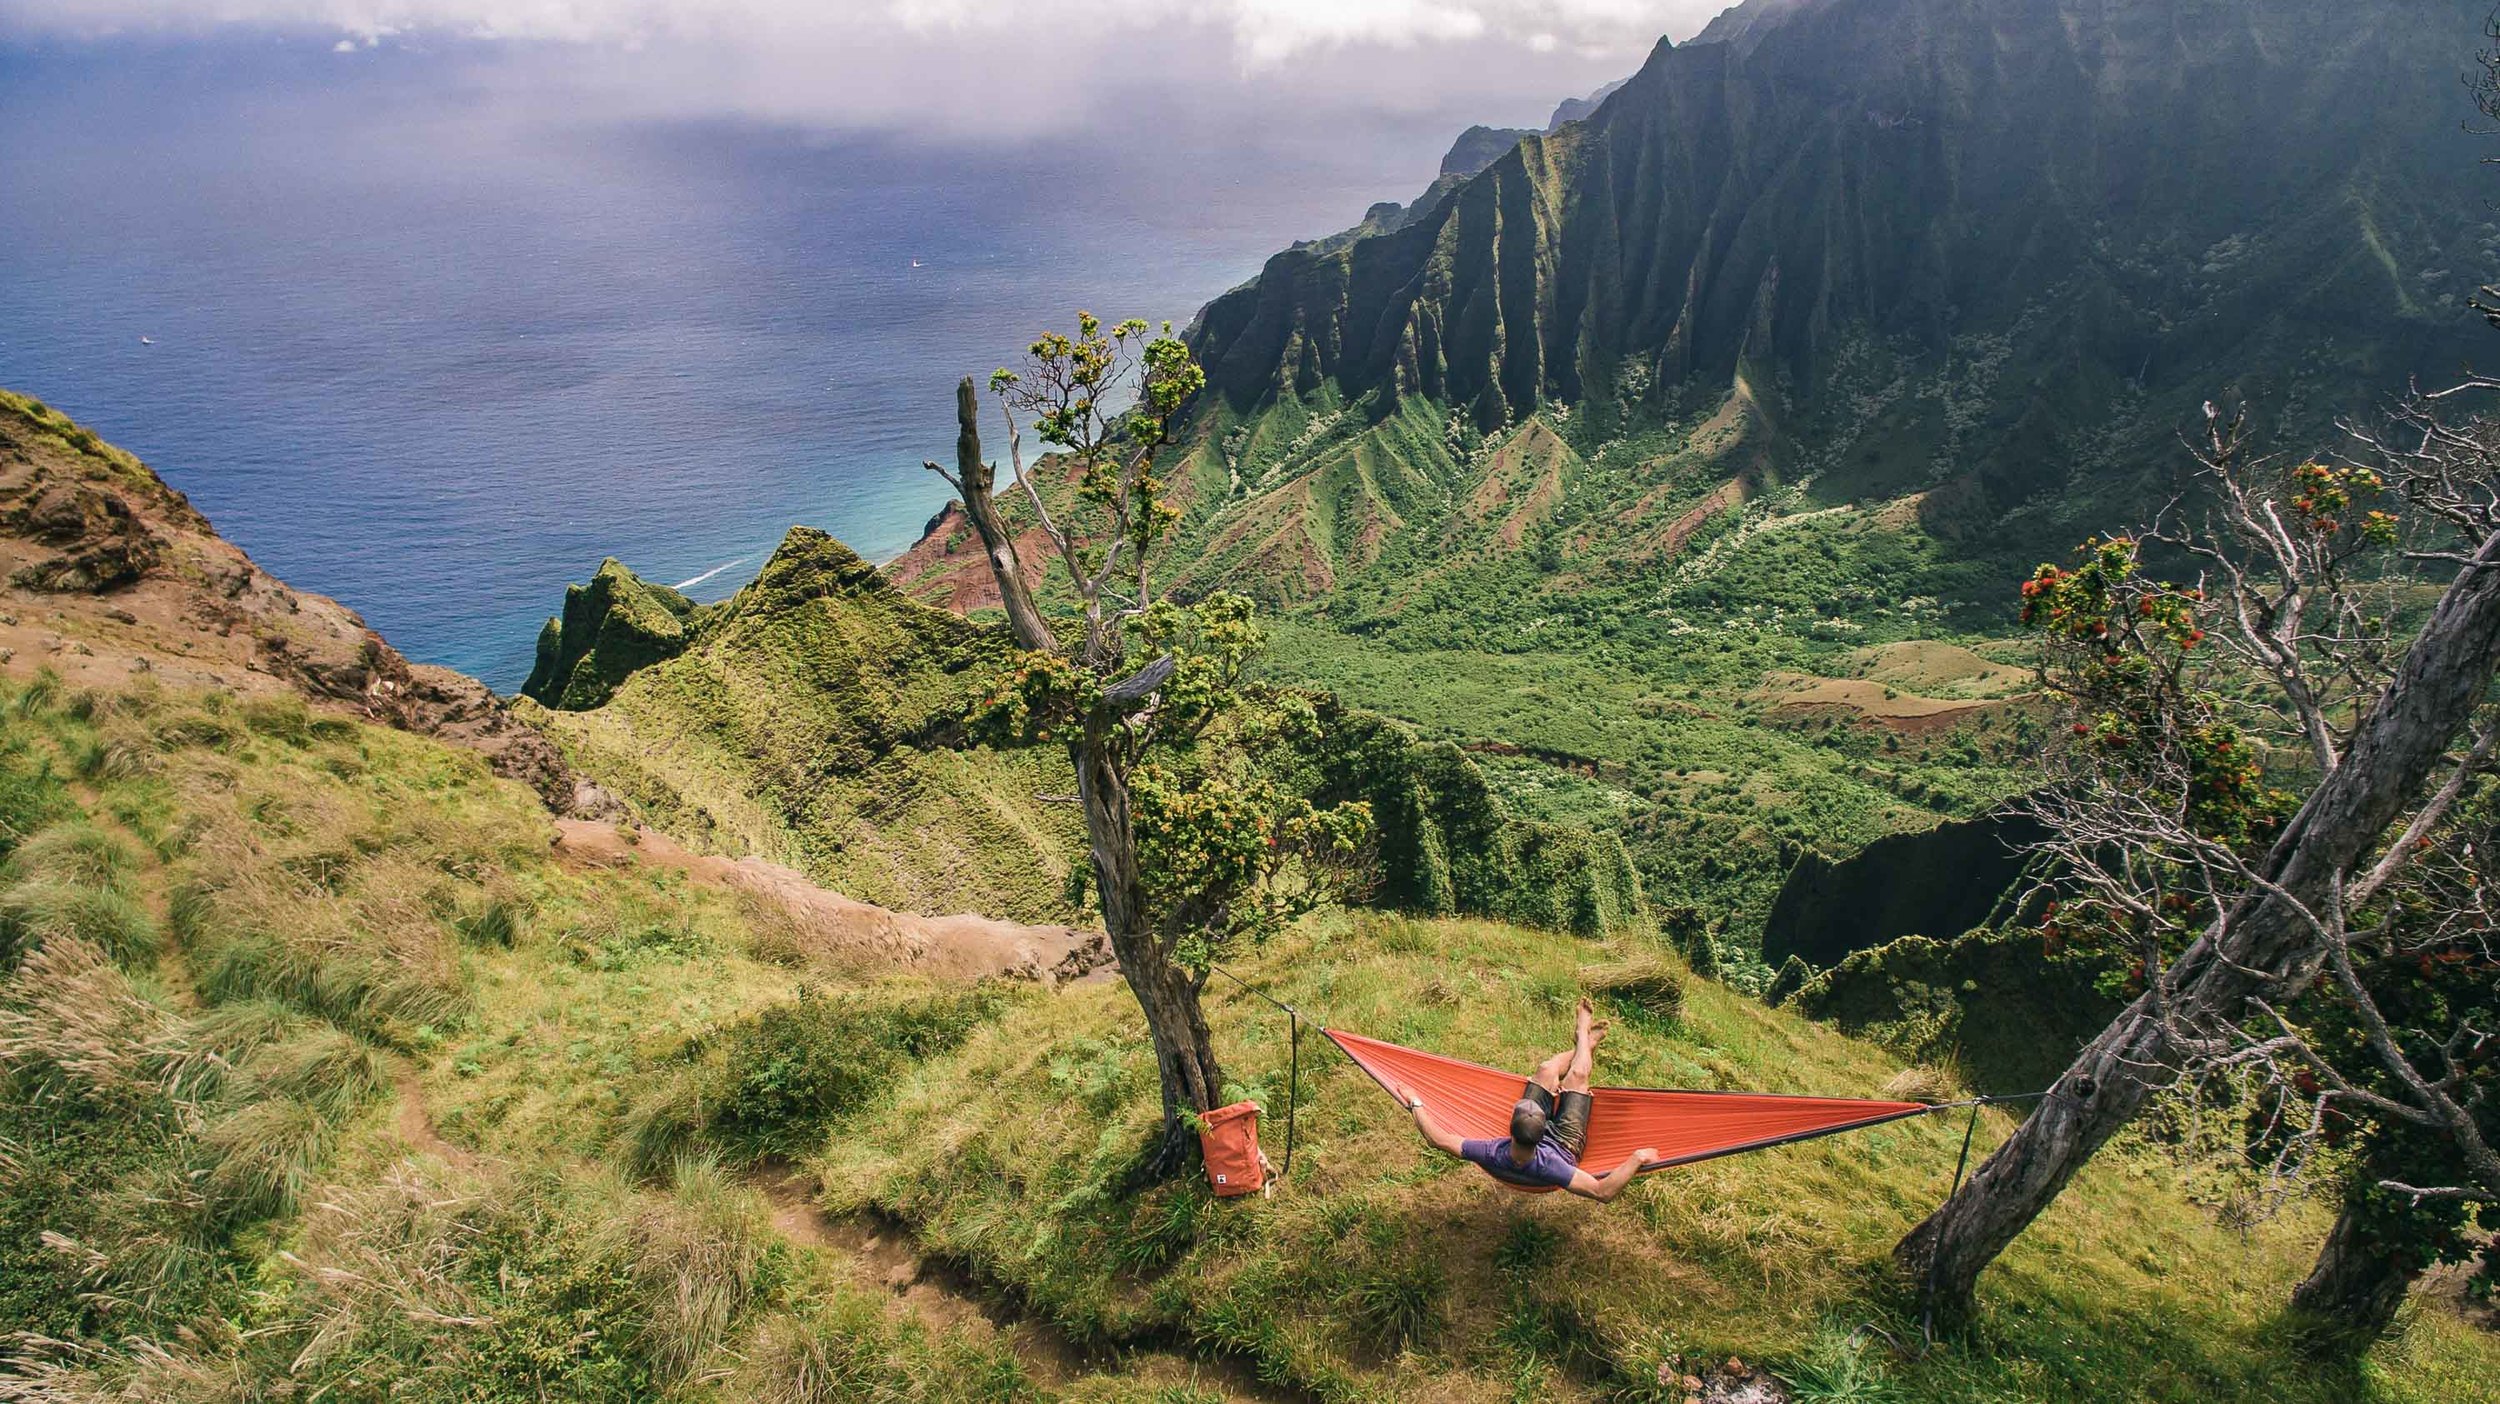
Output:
x=147 y=341
x=915 y=263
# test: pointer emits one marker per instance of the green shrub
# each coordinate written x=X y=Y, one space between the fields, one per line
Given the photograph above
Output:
x=795 y=1067
x=566 y=1312
x=61 y=1154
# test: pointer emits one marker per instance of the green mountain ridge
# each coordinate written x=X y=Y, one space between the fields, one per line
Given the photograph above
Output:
x=2132 y=194
x=1806 y=344
x=815 y=718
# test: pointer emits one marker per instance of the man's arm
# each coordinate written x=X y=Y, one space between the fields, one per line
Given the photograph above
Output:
x=1603 y=1188
x=1442 y=1141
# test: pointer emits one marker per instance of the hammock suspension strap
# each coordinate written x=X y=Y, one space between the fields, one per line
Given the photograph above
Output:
x=1293 y=1075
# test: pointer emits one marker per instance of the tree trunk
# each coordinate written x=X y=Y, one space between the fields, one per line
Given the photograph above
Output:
x=2358 y=1284
x=2262 y=947
x=975 y=482
x=1184 y=1049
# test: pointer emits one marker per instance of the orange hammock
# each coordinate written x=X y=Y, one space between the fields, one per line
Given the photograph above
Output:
x=1475 y=1102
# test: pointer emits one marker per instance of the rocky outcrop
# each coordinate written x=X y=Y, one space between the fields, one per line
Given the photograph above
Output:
x=612 y=627
x=1938 y=882
x=112 y=574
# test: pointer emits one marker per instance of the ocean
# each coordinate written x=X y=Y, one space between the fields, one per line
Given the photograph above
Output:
x=437 y=365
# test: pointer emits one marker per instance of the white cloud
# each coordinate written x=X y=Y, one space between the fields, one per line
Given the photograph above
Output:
x=1299 y=77
x=1260 y=31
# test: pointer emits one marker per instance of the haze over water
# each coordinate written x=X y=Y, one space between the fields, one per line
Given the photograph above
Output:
x=437 y=365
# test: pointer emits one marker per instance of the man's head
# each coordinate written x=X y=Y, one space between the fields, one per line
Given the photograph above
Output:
x=1527 y=1123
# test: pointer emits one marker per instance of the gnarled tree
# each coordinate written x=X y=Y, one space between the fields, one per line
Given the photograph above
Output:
x=2260 y=774
x=1189 y=849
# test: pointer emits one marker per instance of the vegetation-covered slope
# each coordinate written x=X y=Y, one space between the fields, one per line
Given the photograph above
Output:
x=1688 y=440
x=331 y=1077
x=816 y=717
x=807 y=722
x=1382 y=1271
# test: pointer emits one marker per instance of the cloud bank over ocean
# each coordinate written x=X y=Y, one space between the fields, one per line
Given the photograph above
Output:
x=955 y=67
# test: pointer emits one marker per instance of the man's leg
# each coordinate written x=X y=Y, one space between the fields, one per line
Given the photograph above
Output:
x=1550 y=1073
x=1590 y=1033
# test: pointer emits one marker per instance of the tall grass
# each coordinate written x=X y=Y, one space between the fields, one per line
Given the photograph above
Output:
x=323 y=1068
x=71 y=881
x=72 y=851
x=257 y=1161
x=35 y=913
x=702 y=1260
x=73 y=1027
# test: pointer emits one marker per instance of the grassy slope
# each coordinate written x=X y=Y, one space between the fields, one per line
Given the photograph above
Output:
x=310 y=928
x=1381 y=1271
x=786 y=731
x=327 y=907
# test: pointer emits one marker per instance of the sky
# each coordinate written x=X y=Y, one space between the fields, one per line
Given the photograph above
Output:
x=985 y=69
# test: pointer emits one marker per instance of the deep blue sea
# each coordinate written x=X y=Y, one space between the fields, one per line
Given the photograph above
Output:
x=437 y=365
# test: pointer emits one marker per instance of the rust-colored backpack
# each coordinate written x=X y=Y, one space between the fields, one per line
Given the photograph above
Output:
x=1230 y=1138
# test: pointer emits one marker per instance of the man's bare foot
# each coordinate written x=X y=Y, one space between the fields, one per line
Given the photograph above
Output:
x=1592 y=1029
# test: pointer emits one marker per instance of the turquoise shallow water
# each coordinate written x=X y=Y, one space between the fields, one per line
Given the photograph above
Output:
x=437 y=366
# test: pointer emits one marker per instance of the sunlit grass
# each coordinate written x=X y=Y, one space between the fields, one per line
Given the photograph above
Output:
x=1378 y=1261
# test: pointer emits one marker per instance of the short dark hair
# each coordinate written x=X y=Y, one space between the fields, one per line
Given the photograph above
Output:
x=1527 y=1121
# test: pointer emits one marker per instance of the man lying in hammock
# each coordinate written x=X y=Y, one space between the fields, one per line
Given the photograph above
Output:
x=1548 y=1127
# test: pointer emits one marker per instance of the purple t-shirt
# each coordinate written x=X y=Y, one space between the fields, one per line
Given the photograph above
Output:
x=1551 y=1165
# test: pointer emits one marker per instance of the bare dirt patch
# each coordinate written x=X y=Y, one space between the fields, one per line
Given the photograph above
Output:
x=829 y=927
x=1941 y=670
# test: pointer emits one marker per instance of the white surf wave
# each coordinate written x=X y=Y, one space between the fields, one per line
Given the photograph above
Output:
x=690 y=584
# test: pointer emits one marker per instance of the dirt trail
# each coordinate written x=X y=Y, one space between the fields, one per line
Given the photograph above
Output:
x=882 y=1257
x=844 y=930
x=416 y=1124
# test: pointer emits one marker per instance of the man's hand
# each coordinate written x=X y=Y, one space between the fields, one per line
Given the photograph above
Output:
x=1604 y=1188
x=1431 y=1130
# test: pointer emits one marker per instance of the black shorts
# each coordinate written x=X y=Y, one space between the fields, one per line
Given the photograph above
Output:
x=1566 y=1118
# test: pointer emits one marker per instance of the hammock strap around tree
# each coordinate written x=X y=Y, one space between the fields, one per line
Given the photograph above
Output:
x=1293 y=1074
x=1474 y=1102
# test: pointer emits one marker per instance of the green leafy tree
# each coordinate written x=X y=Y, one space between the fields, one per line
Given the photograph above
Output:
x=1191 y=847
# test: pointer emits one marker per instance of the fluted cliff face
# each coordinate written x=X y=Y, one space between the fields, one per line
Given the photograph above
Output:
x=2133 y=192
